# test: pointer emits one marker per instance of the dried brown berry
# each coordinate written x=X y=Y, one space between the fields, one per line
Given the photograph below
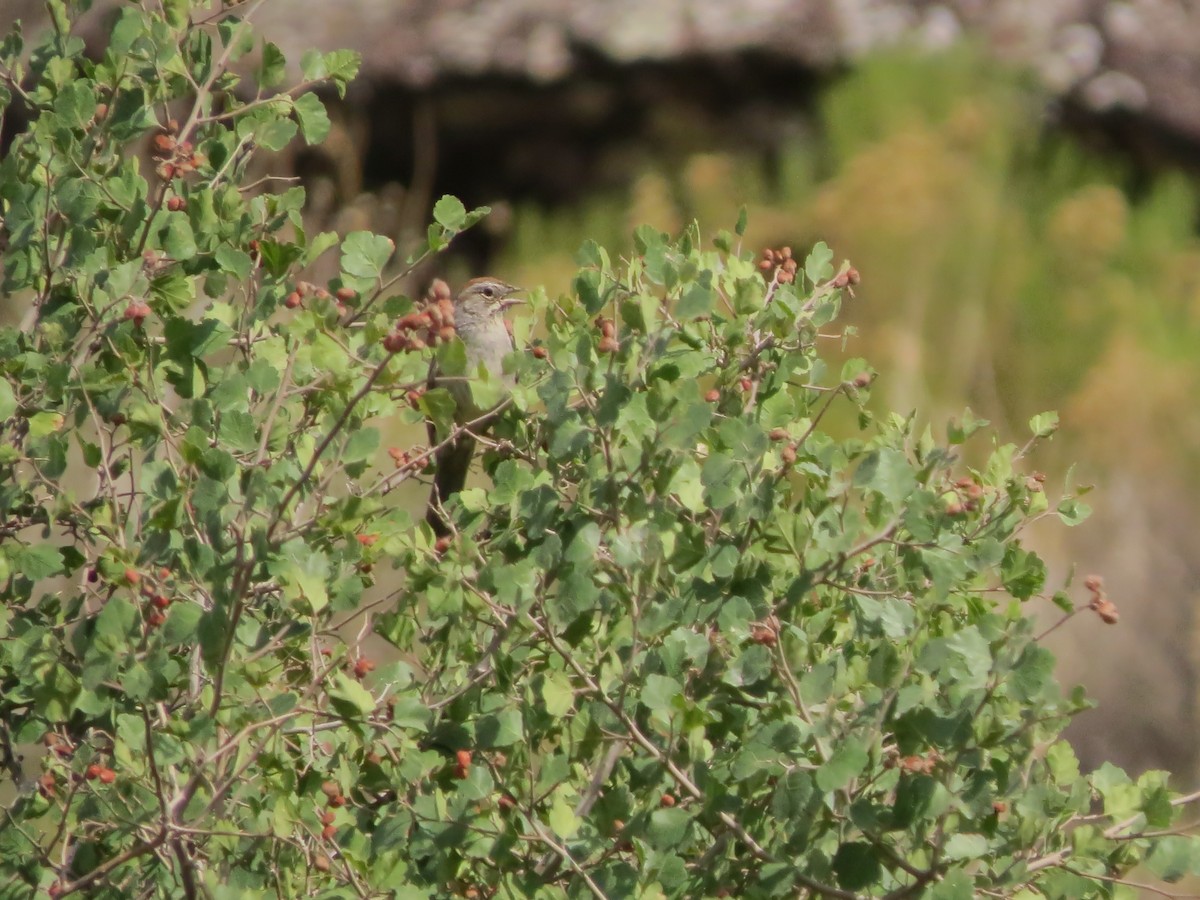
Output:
x=362 y=666
x=1105 y=609
x=330 y=788
x=765 y=635
x=778 y=434
x=1094 y=583
x=608 y=345
x=788 y=454
x=162 y=144
x=395 y=342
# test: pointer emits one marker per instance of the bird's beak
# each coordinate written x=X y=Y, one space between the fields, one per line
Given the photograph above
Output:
x=512 y=301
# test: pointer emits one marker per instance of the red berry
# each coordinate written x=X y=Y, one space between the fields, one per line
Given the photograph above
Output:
x=107 y=776
x=175 y=204
x=362 y=666
x=712 y=396
x=667 y=800
x=463 y=757
x=133 y=576
x=93 y=771
x=540 y=352
x=328 y=832
x=330 y=788
x=292 y=300
x=345 y=294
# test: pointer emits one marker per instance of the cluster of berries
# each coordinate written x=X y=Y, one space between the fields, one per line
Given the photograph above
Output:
x=304 y=289
x=424 y=327
x=608 y=336
x=177 y=157
x=778 y=265
x=1100 y=604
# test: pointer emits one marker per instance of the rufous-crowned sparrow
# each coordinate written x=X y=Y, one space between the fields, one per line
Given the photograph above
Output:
x=479 y=322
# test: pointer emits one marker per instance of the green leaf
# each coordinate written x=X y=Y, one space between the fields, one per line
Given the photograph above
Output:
x=364 y=254
x=659 y=693
x=557 y=694
x=1044 y=424
x=351 y=698
x=819 y=265
x=314 y=121
x=562 y=819
x=37 y=562
x=856 y=865
x=450 y=213
x=960 y=846
x=8 y=402
x=846 y=764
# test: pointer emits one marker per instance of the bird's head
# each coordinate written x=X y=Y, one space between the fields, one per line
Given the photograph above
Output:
x=485 y=297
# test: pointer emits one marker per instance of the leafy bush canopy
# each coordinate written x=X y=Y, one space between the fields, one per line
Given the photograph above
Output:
x=694 y=641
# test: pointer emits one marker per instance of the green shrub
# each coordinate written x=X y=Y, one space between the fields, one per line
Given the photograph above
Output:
x=689 y=644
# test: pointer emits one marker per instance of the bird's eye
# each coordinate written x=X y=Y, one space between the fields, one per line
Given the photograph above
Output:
x=488 y=291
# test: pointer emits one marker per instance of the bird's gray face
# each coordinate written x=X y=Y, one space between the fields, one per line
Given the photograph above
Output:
x=485 y=298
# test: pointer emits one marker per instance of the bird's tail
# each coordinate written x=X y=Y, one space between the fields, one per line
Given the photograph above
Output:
x=453 y=462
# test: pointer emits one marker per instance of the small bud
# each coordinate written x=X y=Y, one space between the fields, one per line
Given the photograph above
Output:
x=862 y=379
x=101 y=111
x=1094 y=583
